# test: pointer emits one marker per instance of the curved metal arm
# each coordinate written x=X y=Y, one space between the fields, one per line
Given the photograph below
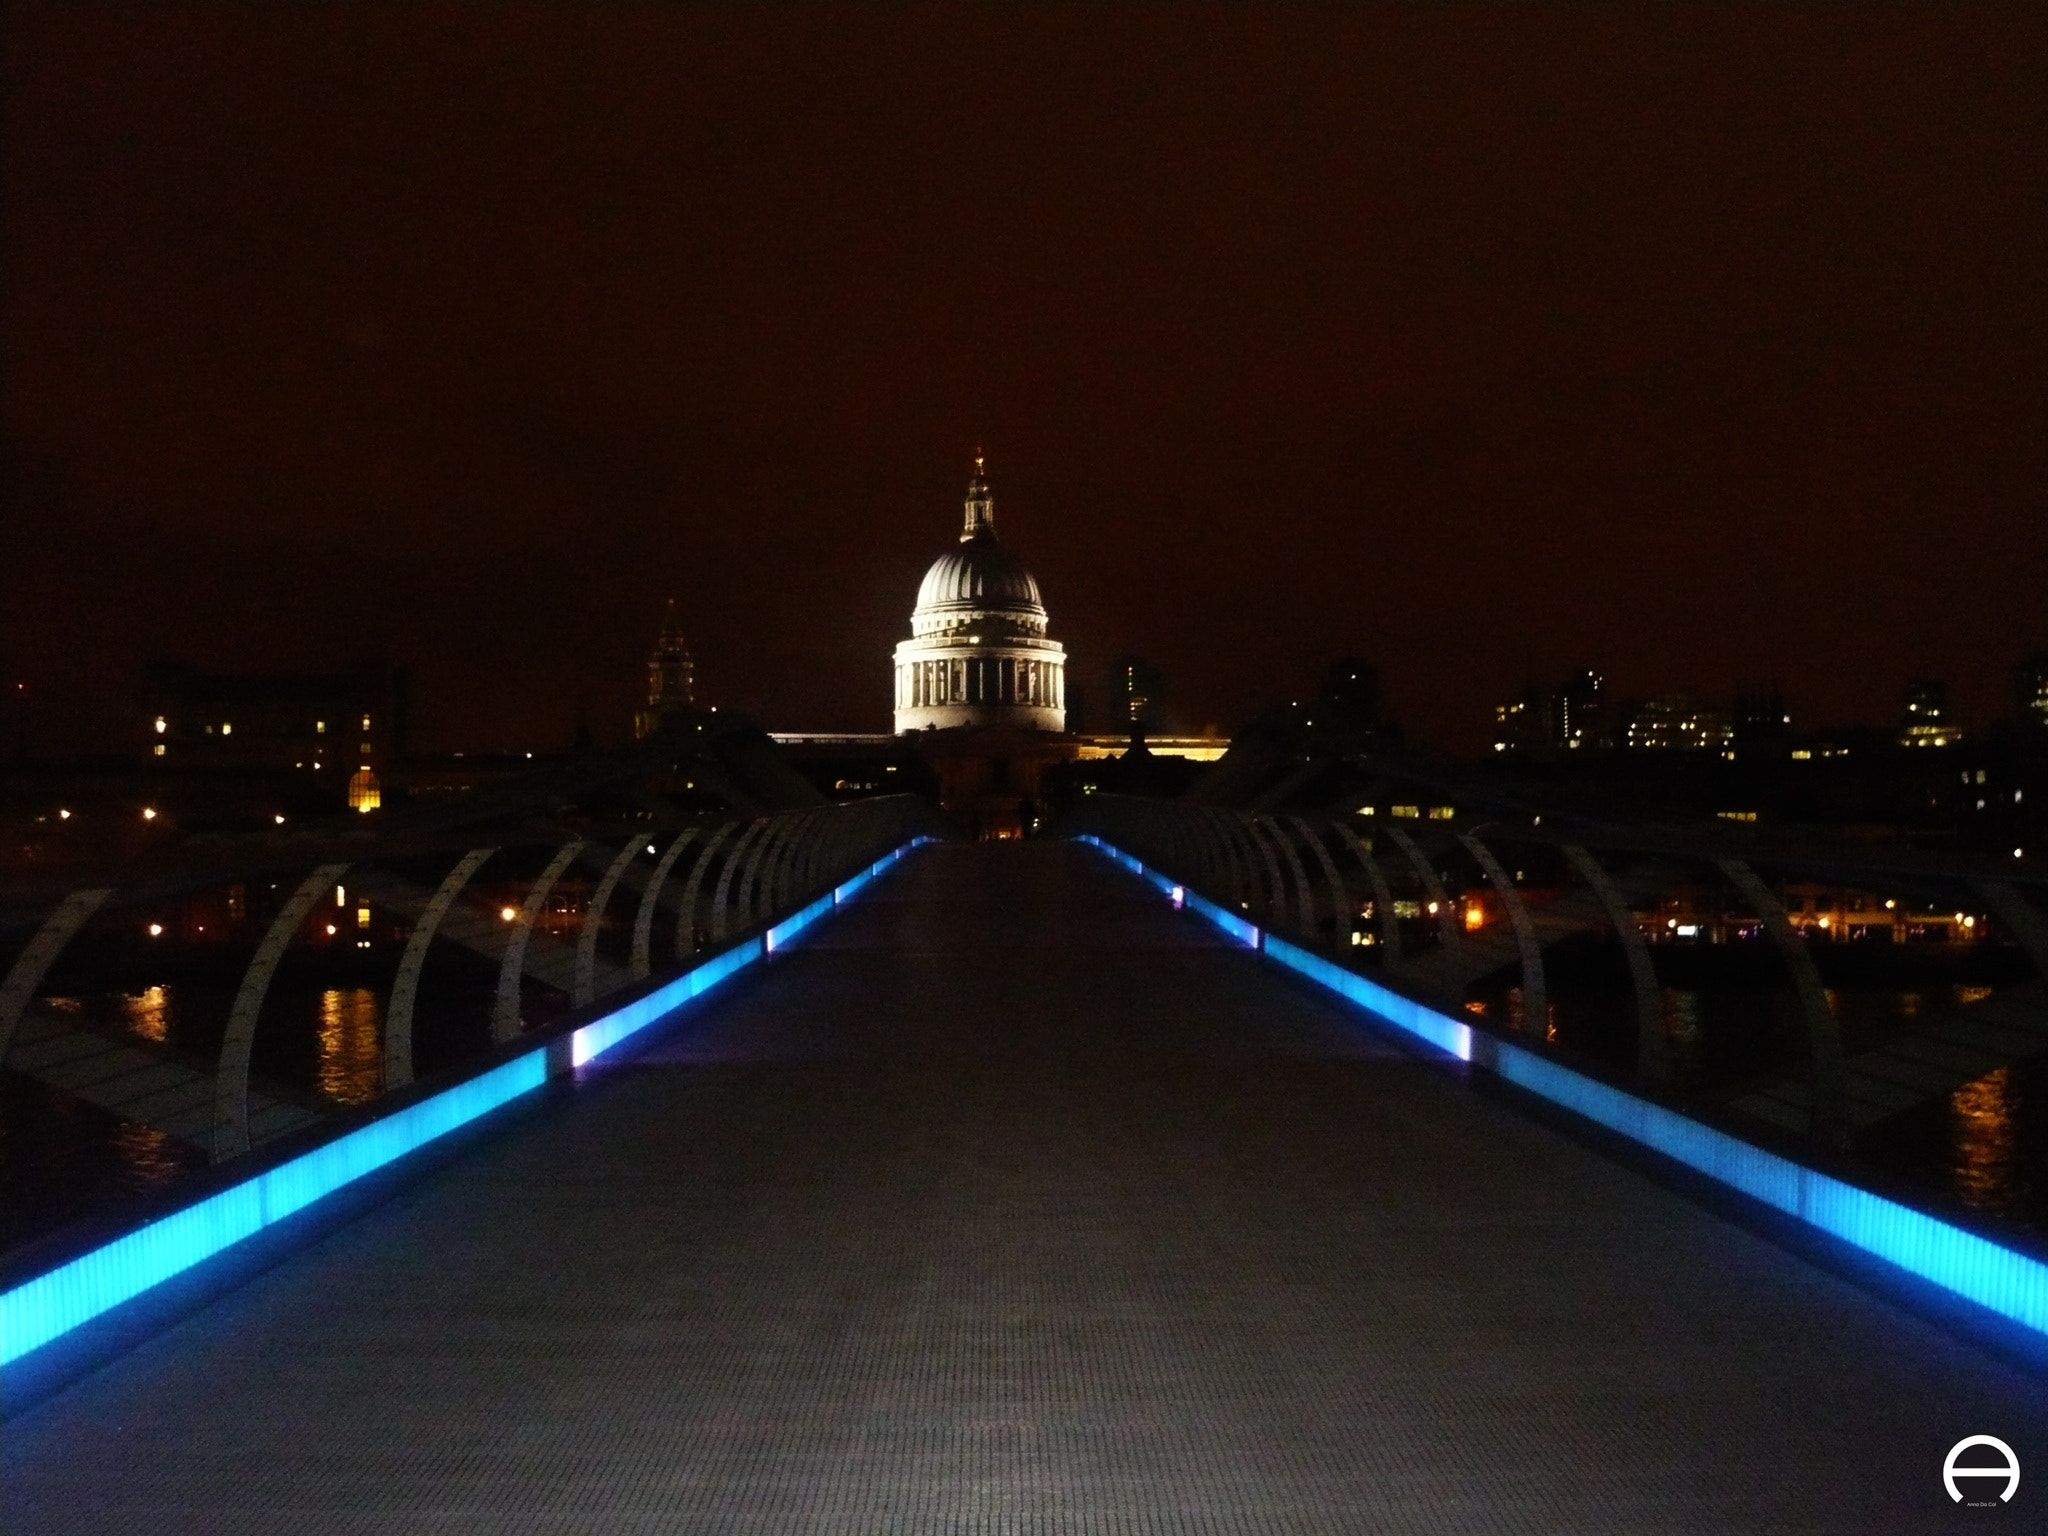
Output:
x=593 y=920
x=1382 y=896
x=1304 y=901
x=34 y=962
x=753 y=834
x=231 y=1075
x=1273 y=907
x=1535 y=1004
x=1425 y=871
x=505 y=1017
x=686 y=919
x=1828 y=1115
x=1341 y=907
x=650 y=902
x=405 y=989
x=1653 y=1044
x=2028 y=928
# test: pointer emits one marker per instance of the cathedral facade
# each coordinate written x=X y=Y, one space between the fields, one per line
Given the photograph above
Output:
x=978 y=655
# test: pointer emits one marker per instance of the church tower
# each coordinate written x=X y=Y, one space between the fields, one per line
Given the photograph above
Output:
x=670 y=678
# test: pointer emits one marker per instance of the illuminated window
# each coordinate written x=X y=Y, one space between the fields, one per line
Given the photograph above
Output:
x=341 y=895
x=366 y=722
x=1410 y=812
x=320 y=726
x=159 y=749
x=364 y=792
x=1442 y=812
x=362 y=917
x=227 y=728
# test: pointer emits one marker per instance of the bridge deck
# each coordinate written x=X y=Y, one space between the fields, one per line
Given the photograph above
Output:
x=1014 y=1201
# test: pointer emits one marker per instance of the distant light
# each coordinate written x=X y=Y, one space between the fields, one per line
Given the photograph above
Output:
x=279 y=818
x=161 y=726
x=1890 y=905
x=509 y=914
x=650 y=847
x=64 y=815
x=319 y=726
x=1432 y=909
x=1825 y=921
x=529 y=754
x=1688 y=930
x=156 y=930
x=1969 y=922
x=149 y=813
x=1475 y=917
x=1670 y=922
x=227 y=728
x=2019 y=853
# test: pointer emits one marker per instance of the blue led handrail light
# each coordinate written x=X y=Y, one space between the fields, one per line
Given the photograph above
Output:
x=2010 y=1284
x=39 y=1310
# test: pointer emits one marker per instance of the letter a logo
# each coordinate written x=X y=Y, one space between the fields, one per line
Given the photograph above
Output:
x=2010 y=1471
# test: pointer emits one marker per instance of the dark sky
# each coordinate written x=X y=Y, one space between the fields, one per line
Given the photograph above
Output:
x=1700 y=344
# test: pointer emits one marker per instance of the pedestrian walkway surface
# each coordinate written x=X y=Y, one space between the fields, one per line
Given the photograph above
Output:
x=1011 y=1200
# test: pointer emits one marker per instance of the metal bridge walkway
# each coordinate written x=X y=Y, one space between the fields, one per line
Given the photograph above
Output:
x=1012 y=1200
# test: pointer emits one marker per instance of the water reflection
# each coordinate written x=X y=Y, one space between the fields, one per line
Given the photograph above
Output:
x=148 y=1158
x=351 y=1062
x=1985 y=1151
x=147 y=1013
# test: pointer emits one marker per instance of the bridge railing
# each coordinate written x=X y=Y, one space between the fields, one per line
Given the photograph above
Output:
x=1383 y=918
x=1841 y=992
x=222 y=1012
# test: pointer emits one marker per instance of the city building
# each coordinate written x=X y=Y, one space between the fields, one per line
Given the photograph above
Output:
x=2033 y=691
x=1678 y=722
x=671 y=680
x=978 y=653
x=1541 y=722
x=1927 y=722
x=981 y=703
x=345 y=726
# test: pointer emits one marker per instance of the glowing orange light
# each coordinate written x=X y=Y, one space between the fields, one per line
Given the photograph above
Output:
x=1475 y=917
x=509 y=914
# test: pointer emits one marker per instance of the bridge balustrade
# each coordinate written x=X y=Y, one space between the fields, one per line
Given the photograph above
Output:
x=414 y=936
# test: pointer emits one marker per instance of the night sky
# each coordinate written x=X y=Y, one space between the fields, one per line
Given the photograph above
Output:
x=1701 y=345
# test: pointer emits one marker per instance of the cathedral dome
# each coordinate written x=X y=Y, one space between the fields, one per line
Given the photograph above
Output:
x=980 y=574
x=978 y=654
